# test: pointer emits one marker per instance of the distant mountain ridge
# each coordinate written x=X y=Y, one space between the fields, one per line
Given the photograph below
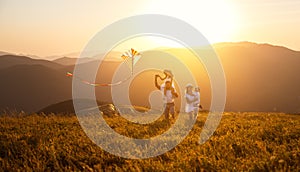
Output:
x=13 y=60
x=260 y=77
x=71 y=61
x=249 y=45
x=2 y=53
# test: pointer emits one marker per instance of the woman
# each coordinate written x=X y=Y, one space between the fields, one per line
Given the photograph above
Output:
x=191 y=98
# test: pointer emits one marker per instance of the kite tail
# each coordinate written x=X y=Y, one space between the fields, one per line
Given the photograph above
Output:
x=130 y=57
x=69 y=74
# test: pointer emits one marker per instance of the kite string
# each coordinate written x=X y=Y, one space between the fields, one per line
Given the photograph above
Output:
x=69 y=74
x=129 y=55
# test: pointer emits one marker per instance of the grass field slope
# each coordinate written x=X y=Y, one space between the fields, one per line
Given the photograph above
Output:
x=242 y=142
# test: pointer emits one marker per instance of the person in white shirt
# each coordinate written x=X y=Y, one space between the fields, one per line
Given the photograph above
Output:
x=191 y=100
x=169 y=93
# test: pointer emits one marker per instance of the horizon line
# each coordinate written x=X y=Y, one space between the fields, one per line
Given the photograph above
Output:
x=55 y=56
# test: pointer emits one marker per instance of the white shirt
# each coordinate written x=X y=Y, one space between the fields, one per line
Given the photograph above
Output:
x=189 y=107
x=168 y=98
x=197 y=95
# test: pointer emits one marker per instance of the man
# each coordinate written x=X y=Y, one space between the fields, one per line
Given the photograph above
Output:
x=169 y=93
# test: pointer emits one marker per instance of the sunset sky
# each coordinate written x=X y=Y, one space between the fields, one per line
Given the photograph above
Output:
x=53 y=27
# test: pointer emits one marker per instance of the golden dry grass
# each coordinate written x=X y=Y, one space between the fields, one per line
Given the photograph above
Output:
x=242 y=142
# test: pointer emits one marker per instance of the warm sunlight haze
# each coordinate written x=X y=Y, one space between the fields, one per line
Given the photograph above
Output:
x=45 y=29
x=149 y=85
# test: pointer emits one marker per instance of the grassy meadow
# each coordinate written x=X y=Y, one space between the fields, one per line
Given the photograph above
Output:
x=242 y=142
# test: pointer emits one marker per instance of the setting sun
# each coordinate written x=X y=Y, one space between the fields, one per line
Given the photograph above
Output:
x=216 y=20
x=47 y=29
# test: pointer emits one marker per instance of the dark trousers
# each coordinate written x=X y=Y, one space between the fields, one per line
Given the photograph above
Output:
x=169 y=108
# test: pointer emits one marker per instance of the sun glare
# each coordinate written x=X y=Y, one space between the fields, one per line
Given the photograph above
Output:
x=215 y=19
x=146 y=42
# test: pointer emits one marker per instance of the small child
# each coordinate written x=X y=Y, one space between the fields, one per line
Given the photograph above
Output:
x=197 y=101
x=168 y=77
x=190 y=101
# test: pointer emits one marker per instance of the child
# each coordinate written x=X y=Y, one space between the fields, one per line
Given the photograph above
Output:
x=168 y=77
x=197 y=102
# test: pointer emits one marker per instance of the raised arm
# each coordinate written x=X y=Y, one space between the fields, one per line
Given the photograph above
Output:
x=174 y=93
x=171 y=80
x=156 y=84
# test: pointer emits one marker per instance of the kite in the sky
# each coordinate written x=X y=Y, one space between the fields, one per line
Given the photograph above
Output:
x=130 y=58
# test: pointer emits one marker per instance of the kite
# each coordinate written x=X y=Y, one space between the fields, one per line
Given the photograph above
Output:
x=130 y=58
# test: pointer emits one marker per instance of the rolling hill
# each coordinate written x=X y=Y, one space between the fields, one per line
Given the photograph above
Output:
x=31 y=87
x=260 y=77
x=12 y=60
x=70 y=60
x=36 y=84
x=2 y=53
x=66 y=107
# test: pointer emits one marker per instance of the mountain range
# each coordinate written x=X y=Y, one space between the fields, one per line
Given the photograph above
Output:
x=259 y=77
